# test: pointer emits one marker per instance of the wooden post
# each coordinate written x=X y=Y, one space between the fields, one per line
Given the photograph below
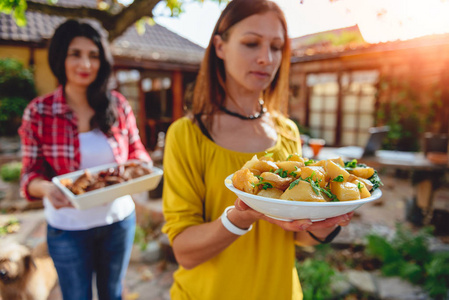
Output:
x=178 y=96
x=142 y=124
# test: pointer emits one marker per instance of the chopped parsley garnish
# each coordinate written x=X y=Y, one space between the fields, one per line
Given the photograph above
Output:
x=315 y=187
x=268 y=154
x=310 y=178
x=314 y=183
x=359 y=185
x=281 y=173
x=329 y=194
x=309 y=162
x=339 y=178
x=261 y=184
x=351 y=164
x=264 y=185
x=375 y=180
x=293 y=173
x=293 y=184
x=290 y=156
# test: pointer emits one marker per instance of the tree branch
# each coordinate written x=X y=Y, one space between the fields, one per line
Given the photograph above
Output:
x=69 y=12
x=128 y=16
x=115 y=24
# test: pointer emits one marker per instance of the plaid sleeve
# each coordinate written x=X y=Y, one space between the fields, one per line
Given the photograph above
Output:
x=32 y=157
x=136 y=149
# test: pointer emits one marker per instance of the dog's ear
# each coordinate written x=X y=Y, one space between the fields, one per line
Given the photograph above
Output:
x=29 y=262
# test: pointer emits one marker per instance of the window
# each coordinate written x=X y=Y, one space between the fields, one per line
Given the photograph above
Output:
x=359 y=97
x=341 y=106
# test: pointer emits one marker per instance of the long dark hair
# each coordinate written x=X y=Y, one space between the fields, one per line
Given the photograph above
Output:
x=210 y=90
x=98 y=96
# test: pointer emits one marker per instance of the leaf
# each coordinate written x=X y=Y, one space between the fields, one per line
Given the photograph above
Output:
x=351 y=164
x=315 y=187
x=309 y=162
x=329 y=194
x=339 y=178
x=411 y=272
x=151 y=22
x=316 y=277
x=140 y=26
x=281 y=173
x=293 y=184
x=380 y=248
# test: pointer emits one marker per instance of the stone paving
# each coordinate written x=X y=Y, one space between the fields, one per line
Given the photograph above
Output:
x=149 y=276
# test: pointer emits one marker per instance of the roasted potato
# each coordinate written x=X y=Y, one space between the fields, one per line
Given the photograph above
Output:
x=245 y=181
x=362 y=172
x=271 y=193
x=345 y=191
x=276 y=180
x=290 y=166
x=299 y=179
x=319 y=174
x=334 y=170
x=302 y=192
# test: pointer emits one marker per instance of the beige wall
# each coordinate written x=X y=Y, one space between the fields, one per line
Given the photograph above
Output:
x=44 y=79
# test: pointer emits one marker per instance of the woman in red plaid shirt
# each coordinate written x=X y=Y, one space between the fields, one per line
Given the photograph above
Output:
x=81 y=125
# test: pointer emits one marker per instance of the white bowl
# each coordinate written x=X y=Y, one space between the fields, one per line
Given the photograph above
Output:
x=294 y=210
x=110 y=193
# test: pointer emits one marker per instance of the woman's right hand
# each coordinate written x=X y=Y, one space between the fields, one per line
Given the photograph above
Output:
x=56 y=197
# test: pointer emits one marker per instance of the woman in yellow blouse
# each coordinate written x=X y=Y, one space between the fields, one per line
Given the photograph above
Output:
x=239 y=104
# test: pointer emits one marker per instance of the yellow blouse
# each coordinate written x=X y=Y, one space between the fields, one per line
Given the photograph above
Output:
x=259 y=264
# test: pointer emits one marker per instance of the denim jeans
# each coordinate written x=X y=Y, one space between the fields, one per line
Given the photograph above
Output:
x=104 y=250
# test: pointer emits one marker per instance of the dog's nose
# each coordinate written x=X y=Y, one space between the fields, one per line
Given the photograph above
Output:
x=3 y=273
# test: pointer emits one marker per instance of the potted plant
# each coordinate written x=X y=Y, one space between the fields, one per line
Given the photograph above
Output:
x=17 y=89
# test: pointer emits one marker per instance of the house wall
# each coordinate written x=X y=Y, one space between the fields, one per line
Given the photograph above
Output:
x=425 y=67
x=44 y=80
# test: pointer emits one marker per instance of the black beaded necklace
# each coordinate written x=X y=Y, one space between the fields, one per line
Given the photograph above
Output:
x=250 y=117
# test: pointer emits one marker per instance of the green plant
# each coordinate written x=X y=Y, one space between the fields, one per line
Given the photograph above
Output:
x=317 y=274
x=407 y=255
x=316 y=277
x=16 y=90
x=408 y=109
x=140 y=238
x=11 y=226
x=10 y=172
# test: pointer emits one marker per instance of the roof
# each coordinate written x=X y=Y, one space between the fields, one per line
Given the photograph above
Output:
x=335 y=40
x=157 y=43
x=306 y=48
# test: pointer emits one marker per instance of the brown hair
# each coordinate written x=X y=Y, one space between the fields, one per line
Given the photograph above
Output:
x=98 y=95
x=209 y=93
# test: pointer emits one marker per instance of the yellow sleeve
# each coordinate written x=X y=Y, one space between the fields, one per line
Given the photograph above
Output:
x=184 y=187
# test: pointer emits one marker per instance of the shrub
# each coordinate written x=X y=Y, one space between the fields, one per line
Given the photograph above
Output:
x=17 y=89
x=10 y=172
x=407 y=255
x=316 y=277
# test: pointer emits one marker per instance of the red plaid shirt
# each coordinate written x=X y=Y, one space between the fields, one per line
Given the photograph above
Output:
x=50 y=143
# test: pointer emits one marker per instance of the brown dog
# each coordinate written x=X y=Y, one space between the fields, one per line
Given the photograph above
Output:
x=26 y=275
